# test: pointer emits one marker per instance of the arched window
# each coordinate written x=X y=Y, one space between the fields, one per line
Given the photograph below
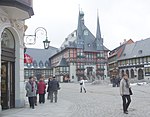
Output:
x=8 y=39
x=132 y=73
x=127 y=72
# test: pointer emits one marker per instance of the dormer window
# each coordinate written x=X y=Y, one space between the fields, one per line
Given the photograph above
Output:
x=72 y=35
x=41 y=64
x=124 y=54
x=85 y=32
x=140 y=51
x=66 y=39
x=46 y=64
x=34 y=63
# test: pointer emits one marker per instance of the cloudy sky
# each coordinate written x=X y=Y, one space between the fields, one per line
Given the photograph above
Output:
x=119 y=19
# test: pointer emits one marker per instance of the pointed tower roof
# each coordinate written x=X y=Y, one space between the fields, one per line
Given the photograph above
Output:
x=80 y=40
x=99 y=39
x=98 y=32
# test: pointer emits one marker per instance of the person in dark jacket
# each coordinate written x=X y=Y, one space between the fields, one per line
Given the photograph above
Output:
x=35 y=98
x=31 y=91
x=48 y=88
x=41 y=90
x=53 y=89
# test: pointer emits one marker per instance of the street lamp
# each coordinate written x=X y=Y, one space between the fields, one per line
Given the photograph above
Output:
x=31 y=39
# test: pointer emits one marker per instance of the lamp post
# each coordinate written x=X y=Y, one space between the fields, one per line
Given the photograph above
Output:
x=31 y=39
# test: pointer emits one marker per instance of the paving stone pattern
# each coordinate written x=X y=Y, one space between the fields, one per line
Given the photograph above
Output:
x=99 y=101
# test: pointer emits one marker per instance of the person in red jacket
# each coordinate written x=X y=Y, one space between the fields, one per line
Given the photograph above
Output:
x=41 y=90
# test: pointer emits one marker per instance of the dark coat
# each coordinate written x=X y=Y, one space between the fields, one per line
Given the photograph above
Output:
x=41 y=87
x=48 y=88
x=53 y=85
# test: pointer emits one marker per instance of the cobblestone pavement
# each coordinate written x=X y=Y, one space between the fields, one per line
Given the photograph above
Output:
x=99 y=101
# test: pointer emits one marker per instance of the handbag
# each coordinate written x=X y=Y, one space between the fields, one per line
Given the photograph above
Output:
x=81 y=83
x=130 y=91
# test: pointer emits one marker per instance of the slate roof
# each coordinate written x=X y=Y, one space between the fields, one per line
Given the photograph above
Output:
x=138 y=49
x=41 y=55
x=89 y=41
x=62 y=63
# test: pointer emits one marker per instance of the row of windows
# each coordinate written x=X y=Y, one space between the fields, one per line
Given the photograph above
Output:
x=73 y=53
x=29 y=72
x=135 y=61
x=147 y=71
x=40 y=64
x=100 y=66
x=62 y=69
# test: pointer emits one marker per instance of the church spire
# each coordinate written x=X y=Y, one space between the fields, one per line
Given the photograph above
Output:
x=99 y=39
x=80 y=41
x=98 y=33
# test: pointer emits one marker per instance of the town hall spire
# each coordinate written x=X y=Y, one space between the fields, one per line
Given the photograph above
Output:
x=99 y=39
x=80 y=40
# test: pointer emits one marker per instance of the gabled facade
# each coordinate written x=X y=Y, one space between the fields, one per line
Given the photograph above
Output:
x=13 y=14
x=135 y=60
x=113 y=57
x=84 y=53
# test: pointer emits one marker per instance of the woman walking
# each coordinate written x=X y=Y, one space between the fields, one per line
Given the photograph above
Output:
x=41 y=90
x=124 y=92
x=48 y=88
x=31 y=91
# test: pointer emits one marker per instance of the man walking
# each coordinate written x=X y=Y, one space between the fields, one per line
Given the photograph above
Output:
x=124 y=92
x=53 y=89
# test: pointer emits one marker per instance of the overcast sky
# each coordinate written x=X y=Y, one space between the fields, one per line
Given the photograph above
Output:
x=119 y=19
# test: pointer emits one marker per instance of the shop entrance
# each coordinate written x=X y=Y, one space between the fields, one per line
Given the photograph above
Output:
x=7 y=85
x=7 y=70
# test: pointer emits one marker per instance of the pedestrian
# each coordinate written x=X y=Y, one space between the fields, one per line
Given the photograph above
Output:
x=82 y=85
x=124 y=92
x=35 y=98
x=53 y=89
x=41 y=90
x=118 y=81
x=114 y=81
x=48 y=88
x=31 y=91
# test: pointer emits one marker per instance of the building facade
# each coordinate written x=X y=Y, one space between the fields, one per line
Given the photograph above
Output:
x=12 y=26
x=135 y=60
x=81 y=54
x=113 y=57
x=39 y=64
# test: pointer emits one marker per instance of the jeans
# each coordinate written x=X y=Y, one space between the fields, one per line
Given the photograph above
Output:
x=126 y=102
x=41 y=98
x=31 y=102
x=51 y=95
